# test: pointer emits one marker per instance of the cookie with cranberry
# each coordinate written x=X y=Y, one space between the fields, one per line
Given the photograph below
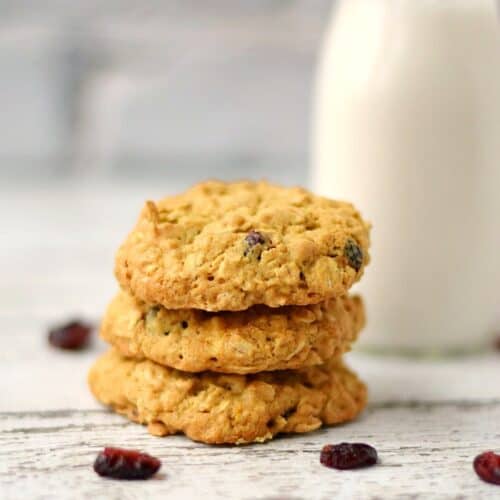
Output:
x=228 y=246
x=258 y=339
x=217 y=408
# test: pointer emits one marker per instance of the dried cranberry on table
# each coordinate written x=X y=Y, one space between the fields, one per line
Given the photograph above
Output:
x=487 y=467
x=348 y=455
x=119 y=463
x=496 y=343
x=72 y=336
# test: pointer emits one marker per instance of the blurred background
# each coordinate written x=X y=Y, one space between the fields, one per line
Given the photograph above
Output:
x=128 y=89
x=106 y=104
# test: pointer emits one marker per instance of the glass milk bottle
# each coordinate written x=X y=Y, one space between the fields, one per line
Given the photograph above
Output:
x=407 y=127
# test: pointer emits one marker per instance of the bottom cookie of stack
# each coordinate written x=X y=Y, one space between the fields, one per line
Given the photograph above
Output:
x=219 y=408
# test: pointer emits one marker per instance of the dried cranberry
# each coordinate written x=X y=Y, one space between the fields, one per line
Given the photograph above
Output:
x=496 y=343
x=119 y=463
x=487 y=467
x=353 y=254
x=254 y=239
x=73 y=335
x=348 y=455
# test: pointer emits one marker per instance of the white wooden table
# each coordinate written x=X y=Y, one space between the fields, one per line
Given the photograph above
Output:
x=427 y=419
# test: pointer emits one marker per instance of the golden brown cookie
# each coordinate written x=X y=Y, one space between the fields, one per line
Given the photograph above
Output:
x=228 y=246
x=216 y=408
x=258 y=339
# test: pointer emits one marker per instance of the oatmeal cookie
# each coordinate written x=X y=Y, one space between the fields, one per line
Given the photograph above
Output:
x=228 y=246
x=258 y=339
x=217 y=408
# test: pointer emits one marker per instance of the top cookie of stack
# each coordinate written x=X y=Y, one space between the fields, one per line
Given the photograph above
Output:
x=228 y=246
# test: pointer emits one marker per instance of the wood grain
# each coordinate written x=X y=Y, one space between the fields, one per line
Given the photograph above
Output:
x=427 y=418
x=426 y=451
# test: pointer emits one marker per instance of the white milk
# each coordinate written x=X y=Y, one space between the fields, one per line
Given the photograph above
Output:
x=407 y=127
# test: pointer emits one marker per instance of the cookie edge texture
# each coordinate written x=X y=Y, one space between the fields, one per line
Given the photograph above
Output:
x=259 y=339
x=216 y=409
x=219 y=274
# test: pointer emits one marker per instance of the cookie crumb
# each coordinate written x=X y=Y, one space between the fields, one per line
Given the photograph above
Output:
x=154 y=215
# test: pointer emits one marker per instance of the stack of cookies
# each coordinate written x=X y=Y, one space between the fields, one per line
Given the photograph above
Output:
x=233 y=314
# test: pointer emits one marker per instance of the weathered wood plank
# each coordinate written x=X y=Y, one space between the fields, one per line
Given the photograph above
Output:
x=428 y=418
x=426 y=451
